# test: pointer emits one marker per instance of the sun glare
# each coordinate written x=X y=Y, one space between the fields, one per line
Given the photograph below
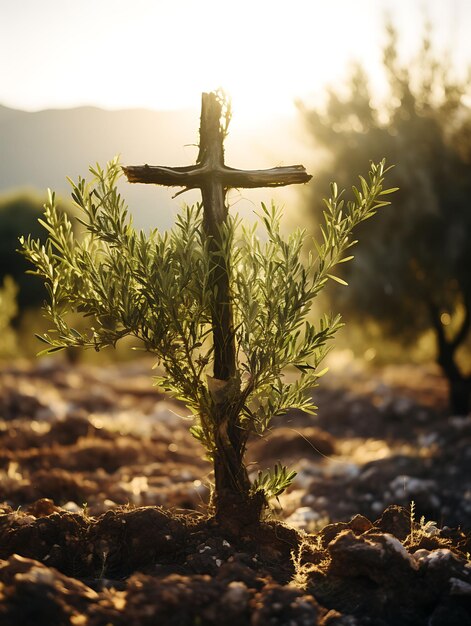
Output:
x=160 y=54
x=263 y=54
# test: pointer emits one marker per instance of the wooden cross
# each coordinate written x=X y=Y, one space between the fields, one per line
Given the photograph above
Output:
x=214 y=178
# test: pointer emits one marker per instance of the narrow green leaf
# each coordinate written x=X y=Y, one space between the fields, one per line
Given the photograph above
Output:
x=338 y=280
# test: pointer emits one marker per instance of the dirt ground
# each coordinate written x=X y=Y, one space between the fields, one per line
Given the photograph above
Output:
x=105 y=492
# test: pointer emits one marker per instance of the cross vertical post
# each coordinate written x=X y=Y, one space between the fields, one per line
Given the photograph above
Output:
x=211 y=155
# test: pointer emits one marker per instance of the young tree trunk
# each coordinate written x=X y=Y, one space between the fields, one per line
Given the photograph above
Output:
x=235 y=506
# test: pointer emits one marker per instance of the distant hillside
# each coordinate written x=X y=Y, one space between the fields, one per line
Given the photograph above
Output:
x=40 y=149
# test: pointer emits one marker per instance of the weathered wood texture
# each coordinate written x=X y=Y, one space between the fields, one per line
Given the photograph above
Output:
x=194 y=176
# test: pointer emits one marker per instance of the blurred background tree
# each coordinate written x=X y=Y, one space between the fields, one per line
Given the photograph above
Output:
x=22 y=294
x=19 y=214
x=8 y=310
x=413 y=272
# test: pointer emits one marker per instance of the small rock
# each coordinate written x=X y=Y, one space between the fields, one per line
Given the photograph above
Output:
x=42 y=508
x=72 y=507
x=395 y=520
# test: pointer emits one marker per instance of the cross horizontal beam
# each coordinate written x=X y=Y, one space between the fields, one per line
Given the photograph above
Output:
x=197 y=176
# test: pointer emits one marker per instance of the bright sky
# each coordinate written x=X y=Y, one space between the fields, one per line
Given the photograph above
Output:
x=162 y=54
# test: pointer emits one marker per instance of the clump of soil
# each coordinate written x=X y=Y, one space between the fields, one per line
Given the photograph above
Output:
x=105 y=519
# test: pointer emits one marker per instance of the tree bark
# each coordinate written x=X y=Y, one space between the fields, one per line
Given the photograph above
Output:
x=235 y=506
x=460 y=395
x=459 y=386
